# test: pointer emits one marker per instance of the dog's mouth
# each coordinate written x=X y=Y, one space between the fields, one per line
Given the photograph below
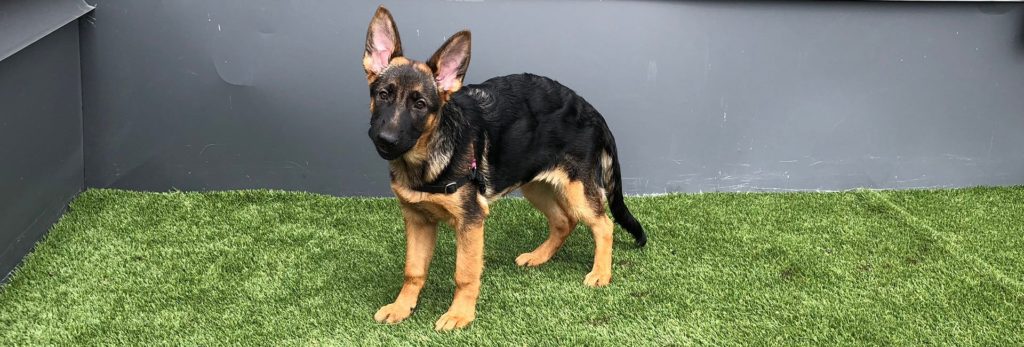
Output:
x=387 y=154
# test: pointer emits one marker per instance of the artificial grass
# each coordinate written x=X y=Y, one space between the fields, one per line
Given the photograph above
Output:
x=281 y=268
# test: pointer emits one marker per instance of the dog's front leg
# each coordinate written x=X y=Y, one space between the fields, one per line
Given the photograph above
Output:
x=469 y=264
x=420 y=237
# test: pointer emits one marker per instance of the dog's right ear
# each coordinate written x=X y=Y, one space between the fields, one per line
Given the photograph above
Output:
x=382 y=43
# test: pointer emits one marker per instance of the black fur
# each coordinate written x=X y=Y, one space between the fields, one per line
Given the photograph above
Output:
x=530 y=124
x=392 y=99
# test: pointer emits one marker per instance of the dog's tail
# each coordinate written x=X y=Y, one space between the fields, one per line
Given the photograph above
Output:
x=613 y=189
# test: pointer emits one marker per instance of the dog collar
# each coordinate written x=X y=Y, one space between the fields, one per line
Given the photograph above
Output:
x=452 y=186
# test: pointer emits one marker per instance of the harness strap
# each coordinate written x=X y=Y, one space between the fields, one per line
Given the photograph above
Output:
x=450 y=187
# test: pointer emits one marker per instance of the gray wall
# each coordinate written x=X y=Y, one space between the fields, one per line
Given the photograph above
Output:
x=40 y=140
x=702 y=96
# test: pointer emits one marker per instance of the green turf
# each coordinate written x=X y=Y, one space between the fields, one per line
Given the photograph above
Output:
x=270 y=267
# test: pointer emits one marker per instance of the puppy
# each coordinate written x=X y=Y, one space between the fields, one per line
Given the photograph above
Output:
x=454 y=148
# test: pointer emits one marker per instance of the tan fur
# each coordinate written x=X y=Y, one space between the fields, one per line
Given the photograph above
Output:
x=455 y=87
x=485 y=170
x=560 y=224
x=555 y=177
x=423 y=68
x=600 y=225
x=572 y=205
x=399 y=61
x=469 y=266
x=368 y=67
x=447 y=94
x=421 y=236
x=484 y=203
x=494 y=196
x=434 y=168
x=419 y=206
x=437 y=207
x=606 y=167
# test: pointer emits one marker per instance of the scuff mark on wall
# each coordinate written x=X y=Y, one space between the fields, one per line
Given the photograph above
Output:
x=652 y=71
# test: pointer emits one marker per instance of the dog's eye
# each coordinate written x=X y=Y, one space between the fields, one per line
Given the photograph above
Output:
x=383 y=95
x=420 y=104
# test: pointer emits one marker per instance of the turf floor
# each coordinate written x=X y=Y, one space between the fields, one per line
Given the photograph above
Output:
x=283 y=268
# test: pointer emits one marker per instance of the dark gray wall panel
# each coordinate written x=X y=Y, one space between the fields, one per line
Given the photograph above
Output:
x=702 y=96
x=40 y=140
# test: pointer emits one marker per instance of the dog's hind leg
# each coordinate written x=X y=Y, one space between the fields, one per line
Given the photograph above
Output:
x=586 y=204
x=560 y=224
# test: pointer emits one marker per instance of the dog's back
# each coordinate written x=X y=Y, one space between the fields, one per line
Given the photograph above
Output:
x=534 y=125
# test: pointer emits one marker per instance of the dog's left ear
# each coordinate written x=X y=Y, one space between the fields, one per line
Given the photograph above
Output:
x=382 y=43
x=451 y=61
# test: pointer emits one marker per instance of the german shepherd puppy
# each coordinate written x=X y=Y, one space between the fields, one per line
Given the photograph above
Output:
x=454 y=148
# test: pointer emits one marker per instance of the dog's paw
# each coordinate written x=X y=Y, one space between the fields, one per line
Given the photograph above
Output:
x=453 y=320
x=531 y=259
x=392 y=313
x=597 y=279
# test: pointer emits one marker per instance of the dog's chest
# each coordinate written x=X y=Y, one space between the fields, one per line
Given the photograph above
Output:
x=439 y=207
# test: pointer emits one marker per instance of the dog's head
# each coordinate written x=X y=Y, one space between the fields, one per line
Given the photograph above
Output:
x=406 y=95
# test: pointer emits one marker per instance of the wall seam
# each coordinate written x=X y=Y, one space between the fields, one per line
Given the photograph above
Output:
x=81 y=95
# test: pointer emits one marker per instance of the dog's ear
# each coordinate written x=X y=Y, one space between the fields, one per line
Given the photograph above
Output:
x=382 y=43
x=451 y=61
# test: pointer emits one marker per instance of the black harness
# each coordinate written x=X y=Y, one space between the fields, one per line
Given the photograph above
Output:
x=452 y=186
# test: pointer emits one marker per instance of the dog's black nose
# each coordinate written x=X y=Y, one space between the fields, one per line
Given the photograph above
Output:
x=386 y=138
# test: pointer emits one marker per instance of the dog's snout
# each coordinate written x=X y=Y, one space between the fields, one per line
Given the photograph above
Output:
x=388 y=138
x=391 y=138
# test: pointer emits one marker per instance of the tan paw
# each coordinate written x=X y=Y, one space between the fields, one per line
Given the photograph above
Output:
x=597 y=279
x=392 y=313
x=453 y=320
x=531 y=259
